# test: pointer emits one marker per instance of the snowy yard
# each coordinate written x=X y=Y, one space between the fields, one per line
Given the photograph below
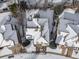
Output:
x=51 y=54
x=37 y=56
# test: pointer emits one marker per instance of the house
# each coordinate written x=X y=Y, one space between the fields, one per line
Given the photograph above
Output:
x=47 y=15
x=68 y=32
x=68 y=28
x=10 y=34
x=6 y=30
x=36 y=29
x=72 y=1
x=59 y=2
x=43 y=3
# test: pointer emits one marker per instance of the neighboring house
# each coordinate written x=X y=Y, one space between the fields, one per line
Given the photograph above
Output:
x=47 y=15
x=37 y=28
x=59 y=2
x=12 y=1
x=68 y=29
x=6 y=30
x=10 y=34
x=73 y=1
x=43 y=3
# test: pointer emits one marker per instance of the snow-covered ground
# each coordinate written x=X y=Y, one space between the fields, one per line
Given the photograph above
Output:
x=56 y=51
x=37 y=56
x=51 y=53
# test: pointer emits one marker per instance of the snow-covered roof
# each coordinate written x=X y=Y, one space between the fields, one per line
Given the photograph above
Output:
x=68 y=17
x=9 y=33
x=69 y=28
x=31 y=12
x=41 y=3
x=41 y=40
x=10 y=36
x=2 y=29
x=57 y=1
x=4 y=42
x=31 y=24
x=62 y=25
x=3 y=6
x=47 y=14
x=72 y=34
x=72 y=17
x=45 y=20
x=37 y=34
x=44 y=23
x=6 y=30
x=67 y=10
x=69 y=23
x=75 y=28
x=4 y=17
